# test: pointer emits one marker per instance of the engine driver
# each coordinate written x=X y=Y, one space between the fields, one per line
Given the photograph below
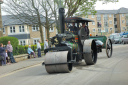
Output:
x=73 y=29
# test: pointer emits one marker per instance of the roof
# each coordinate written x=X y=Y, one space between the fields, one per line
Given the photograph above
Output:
x=77 y=19
x=119 y=11
x=122 y=10
x=18 y=20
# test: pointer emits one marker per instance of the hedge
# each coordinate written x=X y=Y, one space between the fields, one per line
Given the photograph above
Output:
x=18 y=49
x=14 y=41
x=23 y=49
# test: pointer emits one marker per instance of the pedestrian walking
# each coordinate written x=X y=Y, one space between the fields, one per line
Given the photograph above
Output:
x=39 y=48
x=2 y=54
x=10 y=52
x=46 y=44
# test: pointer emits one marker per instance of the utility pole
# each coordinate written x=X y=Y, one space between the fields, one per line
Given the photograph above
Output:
x=1 y=27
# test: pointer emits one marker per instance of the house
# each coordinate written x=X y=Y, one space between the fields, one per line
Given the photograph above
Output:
x=26 y=31
x=108 y=21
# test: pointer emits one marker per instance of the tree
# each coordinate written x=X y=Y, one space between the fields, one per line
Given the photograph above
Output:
x=82 y=6
x=50 y=9
x=27 y=11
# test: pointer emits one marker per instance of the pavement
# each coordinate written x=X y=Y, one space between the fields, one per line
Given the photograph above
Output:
x=20 y=65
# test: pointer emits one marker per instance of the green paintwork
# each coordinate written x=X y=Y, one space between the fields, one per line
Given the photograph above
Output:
x=101 y=38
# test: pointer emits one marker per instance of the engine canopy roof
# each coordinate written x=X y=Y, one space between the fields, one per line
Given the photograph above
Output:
x=77 y=20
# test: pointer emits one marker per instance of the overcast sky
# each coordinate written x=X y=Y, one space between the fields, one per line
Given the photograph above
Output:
x=109 y=6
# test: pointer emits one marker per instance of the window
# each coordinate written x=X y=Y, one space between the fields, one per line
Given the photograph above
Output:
x=126 y=22
x=35 y=28
x=110 y=22
x=51 y=29
x=21 y=28
x=110 y=15
x=99 y=24
x=22 y=42
x=125 y=36
x=99 y=30
x=123 y=21
x=93 y=30
x=98 y=17
x=92 y=16
x=124 y=28
x=35 y=41
x=3 y=30
x=93 y=23
x=56 y=31
x=106 y=29
x=105 y=17
x=114 y=16
x=12 y=29
x=106 y=24
x=110 y=29
x=122 y=15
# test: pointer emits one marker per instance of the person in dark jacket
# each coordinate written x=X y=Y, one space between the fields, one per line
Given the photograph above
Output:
x=2 y=54
x=86 y=28
x=73 y=29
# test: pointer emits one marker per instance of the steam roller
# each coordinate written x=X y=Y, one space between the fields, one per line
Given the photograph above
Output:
x=73 y=45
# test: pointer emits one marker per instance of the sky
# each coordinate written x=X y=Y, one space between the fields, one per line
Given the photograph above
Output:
x=109 y=6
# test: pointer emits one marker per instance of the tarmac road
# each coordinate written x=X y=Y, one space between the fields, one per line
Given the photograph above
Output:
x=107 y=71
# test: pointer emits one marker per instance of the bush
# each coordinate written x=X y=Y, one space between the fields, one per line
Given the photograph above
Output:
x=14 y=41
x=18 y=49
x=34 y=47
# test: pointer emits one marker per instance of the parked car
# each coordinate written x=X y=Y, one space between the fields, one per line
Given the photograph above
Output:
x=124 y=39
x=115 y=38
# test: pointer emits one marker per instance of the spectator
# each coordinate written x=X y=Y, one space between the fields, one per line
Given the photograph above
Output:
x=39 y=49
x=7 y=56
x=46 y=44
x=30 y=51
x=2 y=54
x=10 y=50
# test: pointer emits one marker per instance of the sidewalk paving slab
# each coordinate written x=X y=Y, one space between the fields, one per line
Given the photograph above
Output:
x=20 y=65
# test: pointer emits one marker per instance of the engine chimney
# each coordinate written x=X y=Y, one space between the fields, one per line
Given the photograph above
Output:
x=62 y=19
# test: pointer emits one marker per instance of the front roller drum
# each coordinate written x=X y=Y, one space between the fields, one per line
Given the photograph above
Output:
x=90 y=52
x=57 y=62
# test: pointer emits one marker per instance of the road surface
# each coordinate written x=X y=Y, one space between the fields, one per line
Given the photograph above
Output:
x=107 y=71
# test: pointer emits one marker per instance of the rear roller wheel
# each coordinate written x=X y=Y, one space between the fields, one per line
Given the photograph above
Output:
x=90 y=52
x=109 y=48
